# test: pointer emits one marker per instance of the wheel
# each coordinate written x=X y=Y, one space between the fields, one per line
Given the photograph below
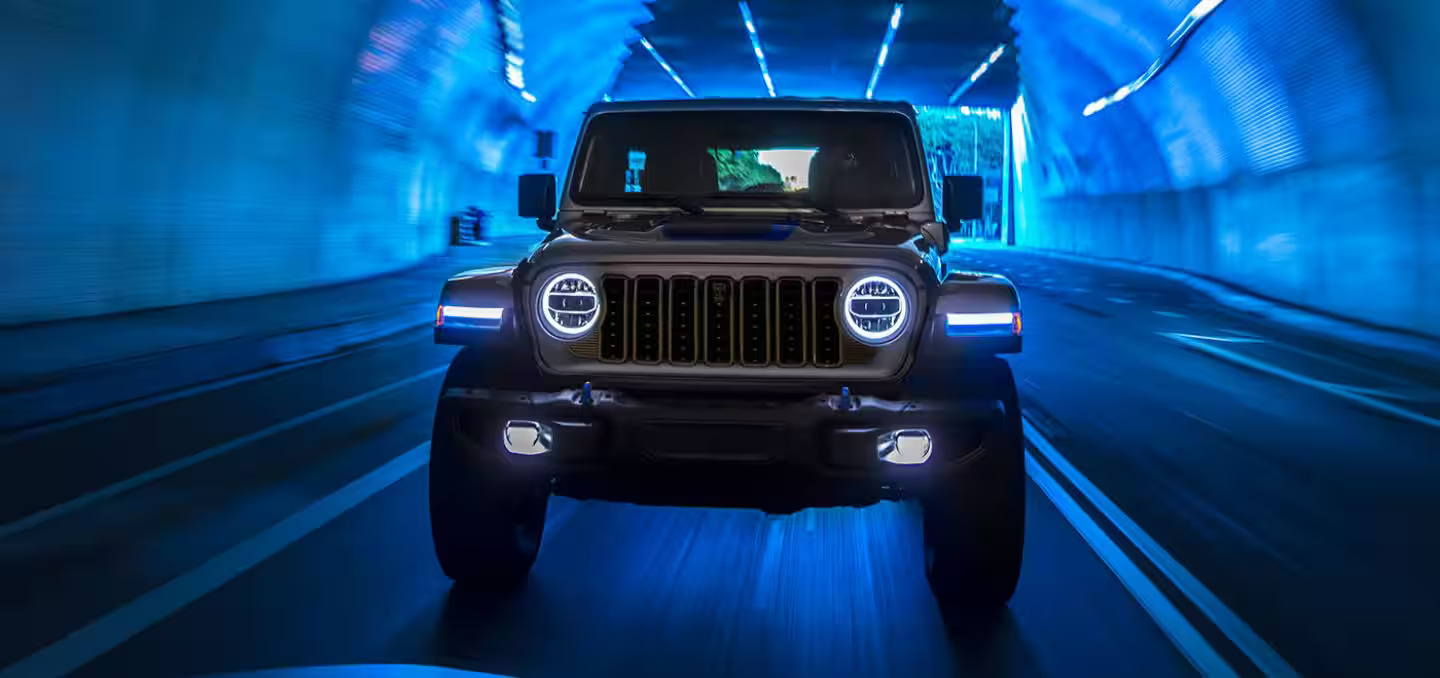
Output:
x=974 y=524
x=485 y=517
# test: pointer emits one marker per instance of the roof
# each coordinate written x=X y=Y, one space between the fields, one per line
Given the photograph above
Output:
x=755 y=104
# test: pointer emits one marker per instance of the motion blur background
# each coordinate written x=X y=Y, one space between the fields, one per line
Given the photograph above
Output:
x=224 y=225
x=163 y=152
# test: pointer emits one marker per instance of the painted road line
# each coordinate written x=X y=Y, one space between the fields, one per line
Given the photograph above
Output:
x=60 y=510
x=1172 y=314
x=1119 y=300
x=1189 y=641
x=1356 y=396
x=33 y=432
x=126 y=622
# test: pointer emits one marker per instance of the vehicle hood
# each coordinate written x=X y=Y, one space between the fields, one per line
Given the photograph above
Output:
x=720 y=241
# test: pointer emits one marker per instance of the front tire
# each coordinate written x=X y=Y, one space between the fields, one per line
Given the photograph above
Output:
x=486 y=517
x=974 y=524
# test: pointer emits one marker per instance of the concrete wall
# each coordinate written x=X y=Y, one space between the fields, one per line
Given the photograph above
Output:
x=1290 y=149
x=164 y=152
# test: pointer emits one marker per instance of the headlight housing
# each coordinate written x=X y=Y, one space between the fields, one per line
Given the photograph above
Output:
x=569 y=305
x=876 y=309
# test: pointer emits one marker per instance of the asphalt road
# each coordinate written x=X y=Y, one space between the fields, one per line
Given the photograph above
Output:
x=287 y=525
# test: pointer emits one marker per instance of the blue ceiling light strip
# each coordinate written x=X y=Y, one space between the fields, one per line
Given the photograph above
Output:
x=1175 y=42
x=512 y=45
x=980 y=71
x=884 y=49
x=666 y=65
x=755 y=42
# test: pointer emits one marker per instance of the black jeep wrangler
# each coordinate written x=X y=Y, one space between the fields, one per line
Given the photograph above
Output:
x=739 y=303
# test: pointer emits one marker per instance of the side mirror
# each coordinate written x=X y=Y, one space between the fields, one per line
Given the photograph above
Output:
x=938 y=234
x=963 y=199
x=537 y=198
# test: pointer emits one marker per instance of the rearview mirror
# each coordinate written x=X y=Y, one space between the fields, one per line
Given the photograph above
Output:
x=963 y=199
x=537 y=198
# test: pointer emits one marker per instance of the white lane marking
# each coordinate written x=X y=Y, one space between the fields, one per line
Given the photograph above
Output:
x=1119 y=300
x=769 y=564
x=126 y=622
x=1166 y=615
x=1080 y=290
x=1353 y=395
x=63 y=509
x=150 y=401
x=1203 y=420
x=1180 y=336
x=1171 y=314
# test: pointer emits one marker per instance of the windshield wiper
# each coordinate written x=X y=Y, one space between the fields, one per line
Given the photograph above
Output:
x=685 y=204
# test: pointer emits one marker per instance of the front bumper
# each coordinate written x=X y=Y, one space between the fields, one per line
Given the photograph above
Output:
x=616 y=444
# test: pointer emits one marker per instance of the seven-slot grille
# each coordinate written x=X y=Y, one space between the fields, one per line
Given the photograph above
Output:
x=721 y=321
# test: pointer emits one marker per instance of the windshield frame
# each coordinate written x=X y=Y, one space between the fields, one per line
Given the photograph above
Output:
x=573 y=200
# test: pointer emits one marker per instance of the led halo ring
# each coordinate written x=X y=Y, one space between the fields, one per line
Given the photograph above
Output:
x=874 y=337
x=548 y=316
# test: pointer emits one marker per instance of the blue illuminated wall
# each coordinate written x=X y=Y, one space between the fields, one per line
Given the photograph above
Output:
x=162 y=152
x=1286 y=149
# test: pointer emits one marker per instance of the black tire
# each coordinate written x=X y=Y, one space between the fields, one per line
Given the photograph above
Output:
x=974 y=525
x=486 y=518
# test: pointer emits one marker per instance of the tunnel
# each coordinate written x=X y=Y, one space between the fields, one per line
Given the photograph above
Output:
x=224 y=225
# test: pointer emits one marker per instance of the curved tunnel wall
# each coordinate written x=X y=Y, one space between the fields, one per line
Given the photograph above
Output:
x=1287 y=149
x=164 y=152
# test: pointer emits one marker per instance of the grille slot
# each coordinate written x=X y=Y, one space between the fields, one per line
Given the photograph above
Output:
x=681 y=323
x=614 y=335
x=648 y=307
x=753 y=322
x=719 y=321
x=790 y=322
x=824 y=295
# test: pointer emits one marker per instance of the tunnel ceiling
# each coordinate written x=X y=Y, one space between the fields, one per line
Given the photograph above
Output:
x=825 y=48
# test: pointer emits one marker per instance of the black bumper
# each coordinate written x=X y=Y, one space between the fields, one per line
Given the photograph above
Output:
x=816 y=450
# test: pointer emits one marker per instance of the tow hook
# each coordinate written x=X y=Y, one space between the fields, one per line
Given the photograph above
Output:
x=844 y=398
x=586 y=398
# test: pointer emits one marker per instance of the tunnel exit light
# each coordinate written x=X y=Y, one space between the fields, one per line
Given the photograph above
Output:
x=884 y=49
x=666 y=66
x=755 y=42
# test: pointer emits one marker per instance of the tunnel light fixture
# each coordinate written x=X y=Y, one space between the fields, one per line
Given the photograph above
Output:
x=1177 y=39
x=755 y=42
x=884 y=49
x=666 y=66
x=978 y=73
x=527 y=96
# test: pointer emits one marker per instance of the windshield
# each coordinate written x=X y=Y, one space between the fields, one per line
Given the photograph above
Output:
x=855 y=160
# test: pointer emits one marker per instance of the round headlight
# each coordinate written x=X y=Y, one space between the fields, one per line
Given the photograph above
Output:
x=875 y=309
x=569 y=305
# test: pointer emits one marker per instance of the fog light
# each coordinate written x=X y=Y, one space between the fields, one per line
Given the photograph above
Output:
x=906 y=447
x=526 y=437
